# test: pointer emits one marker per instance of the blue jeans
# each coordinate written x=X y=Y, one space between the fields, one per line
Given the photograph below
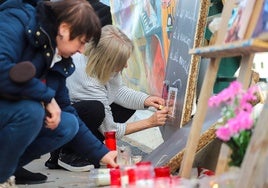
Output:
x=23 y=137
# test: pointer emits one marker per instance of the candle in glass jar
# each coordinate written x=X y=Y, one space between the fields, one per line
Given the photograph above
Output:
x=110 y=140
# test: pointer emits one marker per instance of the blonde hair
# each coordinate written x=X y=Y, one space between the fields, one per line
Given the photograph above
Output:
x=110 y=55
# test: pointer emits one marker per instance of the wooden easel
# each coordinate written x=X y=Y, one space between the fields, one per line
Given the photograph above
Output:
x=246 y=48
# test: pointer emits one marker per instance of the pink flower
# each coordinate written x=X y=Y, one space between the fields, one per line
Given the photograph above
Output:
x=245 y=119
x=223 y=133
x=249 y=95
x=227 y=95
x=237 y=113
x=237 y=118
x=235 y=87
x=214 y=101
x=234 y=126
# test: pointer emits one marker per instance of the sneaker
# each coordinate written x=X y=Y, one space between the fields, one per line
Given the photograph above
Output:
x=74 y=163
x=52 y=164
x=23 y=176
x=10 y=183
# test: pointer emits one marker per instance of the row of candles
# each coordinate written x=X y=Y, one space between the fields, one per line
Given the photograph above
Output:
x=129 y=173
x=139 y=175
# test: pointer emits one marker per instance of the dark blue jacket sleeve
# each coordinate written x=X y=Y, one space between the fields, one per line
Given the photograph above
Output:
x=13 y=42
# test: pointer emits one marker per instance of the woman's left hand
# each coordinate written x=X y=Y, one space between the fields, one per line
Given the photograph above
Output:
x=154 y=101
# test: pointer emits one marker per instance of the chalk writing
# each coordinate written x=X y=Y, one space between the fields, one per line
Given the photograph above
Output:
x=186 y=39
x=184 y=64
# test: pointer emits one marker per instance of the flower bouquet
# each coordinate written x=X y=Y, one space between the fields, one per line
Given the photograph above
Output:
x=237 y=122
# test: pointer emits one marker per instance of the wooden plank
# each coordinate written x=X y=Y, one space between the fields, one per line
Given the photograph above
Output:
x=223 y=160
x=193 y=138
x=245 y=72
x=237 y=48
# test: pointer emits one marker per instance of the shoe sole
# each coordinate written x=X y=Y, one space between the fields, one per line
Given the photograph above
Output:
x=25 y=182
x=75 y=169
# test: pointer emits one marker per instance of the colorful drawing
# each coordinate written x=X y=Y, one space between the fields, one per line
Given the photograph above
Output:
x=168 y=15
x=141 y=20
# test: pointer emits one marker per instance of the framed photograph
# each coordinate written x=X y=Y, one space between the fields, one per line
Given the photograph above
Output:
x=172 y=101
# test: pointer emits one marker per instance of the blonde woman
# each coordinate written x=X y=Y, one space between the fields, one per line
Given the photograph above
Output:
x=99 y=79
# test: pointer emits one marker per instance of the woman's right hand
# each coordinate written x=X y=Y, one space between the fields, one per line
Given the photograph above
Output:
x=159 y=118
x=109 y=158
x=53 y=115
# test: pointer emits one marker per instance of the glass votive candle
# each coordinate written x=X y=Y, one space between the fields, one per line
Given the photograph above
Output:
x=115 y=175
x=144 y=174
x=162 y=171
x=110 y=139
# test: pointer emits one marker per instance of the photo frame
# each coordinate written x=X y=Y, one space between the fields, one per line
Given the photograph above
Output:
x=171 y=101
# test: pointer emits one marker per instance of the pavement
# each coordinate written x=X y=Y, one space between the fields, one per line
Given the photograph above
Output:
x=141 y=143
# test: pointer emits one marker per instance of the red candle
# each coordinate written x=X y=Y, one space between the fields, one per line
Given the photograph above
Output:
x=115 y=176
x=110 y=140
x=162 y=171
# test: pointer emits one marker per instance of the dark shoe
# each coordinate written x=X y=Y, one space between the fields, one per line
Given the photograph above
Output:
x=52 y=164
x=23 y=176
x=74 y=163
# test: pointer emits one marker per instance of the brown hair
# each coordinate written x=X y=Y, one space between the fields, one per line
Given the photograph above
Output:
x=79 y=15
x=110 y=55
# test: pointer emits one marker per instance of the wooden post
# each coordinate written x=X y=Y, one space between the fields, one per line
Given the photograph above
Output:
x=245 y=72
x=223 y=160
x=206 y=90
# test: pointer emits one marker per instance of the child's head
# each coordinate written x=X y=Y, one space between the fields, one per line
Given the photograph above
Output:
x=110 y=55
x=76 y=18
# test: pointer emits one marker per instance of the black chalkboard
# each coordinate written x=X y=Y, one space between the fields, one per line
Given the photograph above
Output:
x=182 y=68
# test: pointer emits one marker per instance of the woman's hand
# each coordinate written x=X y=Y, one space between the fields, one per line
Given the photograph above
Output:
x=53 y=115
x=160 y=117
x=109 y=158
x=154 y=101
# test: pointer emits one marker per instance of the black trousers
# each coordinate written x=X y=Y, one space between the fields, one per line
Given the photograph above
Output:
x=92 y=114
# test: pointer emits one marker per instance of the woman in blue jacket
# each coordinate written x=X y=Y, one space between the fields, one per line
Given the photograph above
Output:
x=36 y=44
